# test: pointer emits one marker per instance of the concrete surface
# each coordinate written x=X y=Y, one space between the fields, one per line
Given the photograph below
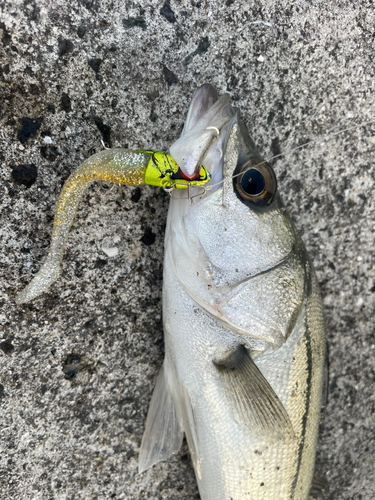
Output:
x=78 y=365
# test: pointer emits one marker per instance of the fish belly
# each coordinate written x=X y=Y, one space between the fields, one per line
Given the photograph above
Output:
x=231 y=461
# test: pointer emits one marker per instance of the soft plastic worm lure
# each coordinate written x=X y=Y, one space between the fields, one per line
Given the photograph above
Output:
x=119 y=166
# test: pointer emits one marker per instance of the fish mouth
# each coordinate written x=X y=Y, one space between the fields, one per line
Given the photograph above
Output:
x=205 y=135
x=203 y=99
x=206 y=131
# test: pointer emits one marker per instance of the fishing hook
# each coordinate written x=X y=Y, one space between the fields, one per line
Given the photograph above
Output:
x=190 y=196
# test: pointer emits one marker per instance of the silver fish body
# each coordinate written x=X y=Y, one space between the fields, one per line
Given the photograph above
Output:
x=244 y=333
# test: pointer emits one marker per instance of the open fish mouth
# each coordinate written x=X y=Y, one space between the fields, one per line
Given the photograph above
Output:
x=205 y=134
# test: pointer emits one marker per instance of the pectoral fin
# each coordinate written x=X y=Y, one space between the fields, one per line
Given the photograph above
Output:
x=163 y=434
x=254 y=402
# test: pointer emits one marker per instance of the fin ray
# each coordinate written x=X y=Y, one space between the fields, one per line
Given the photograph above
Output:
x=163 y=434
x=189 y=426
x=254 y=401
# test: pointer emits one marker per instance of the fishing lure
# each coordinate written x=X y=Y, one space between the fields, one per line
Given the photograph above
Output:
x=243 y=323
x=119 y=166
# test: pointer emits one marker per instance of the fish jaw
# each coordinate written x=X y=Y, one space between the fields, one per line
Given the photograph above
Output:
x=224 y=255
x=203 y=99
x=204 y=136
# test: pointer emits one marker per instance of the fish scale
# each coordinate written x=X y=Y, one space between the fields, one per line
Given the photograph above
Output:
x=234 y=470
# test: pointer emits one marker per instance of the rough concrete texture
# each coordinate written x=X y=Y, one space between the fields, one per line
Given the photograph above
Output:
x=78 y=365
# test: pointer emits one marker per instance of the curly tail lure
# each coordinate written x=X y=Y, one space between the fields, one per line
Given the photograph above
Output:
x=119 y=166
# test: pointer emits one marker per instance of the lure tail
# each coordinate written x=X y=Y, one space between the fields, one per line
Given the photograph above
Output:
x=136 y=168
x=119 y=166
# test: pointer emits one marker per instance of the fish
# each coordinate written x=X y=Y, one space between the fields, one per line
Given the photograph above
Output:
x=244 y=368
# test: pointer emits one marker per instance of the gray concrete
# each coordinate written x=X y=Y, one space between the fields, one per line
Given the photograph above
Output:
x=78 y=365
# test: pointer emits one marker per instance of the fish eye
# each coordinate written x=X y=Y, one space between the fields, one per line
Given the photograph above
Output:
x=255 y=183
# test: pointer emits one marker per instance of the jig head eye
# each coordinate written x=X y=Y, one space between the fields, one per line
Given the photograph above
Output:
x=255 y=183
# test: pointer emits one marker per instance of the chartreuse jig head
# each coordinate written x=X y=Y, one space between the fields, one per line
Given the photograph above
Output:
x=163 y=171
x=120 y=166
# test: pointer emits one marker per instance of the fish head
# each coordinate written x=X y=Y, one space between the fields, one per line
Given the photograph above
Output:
x=233 y=247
